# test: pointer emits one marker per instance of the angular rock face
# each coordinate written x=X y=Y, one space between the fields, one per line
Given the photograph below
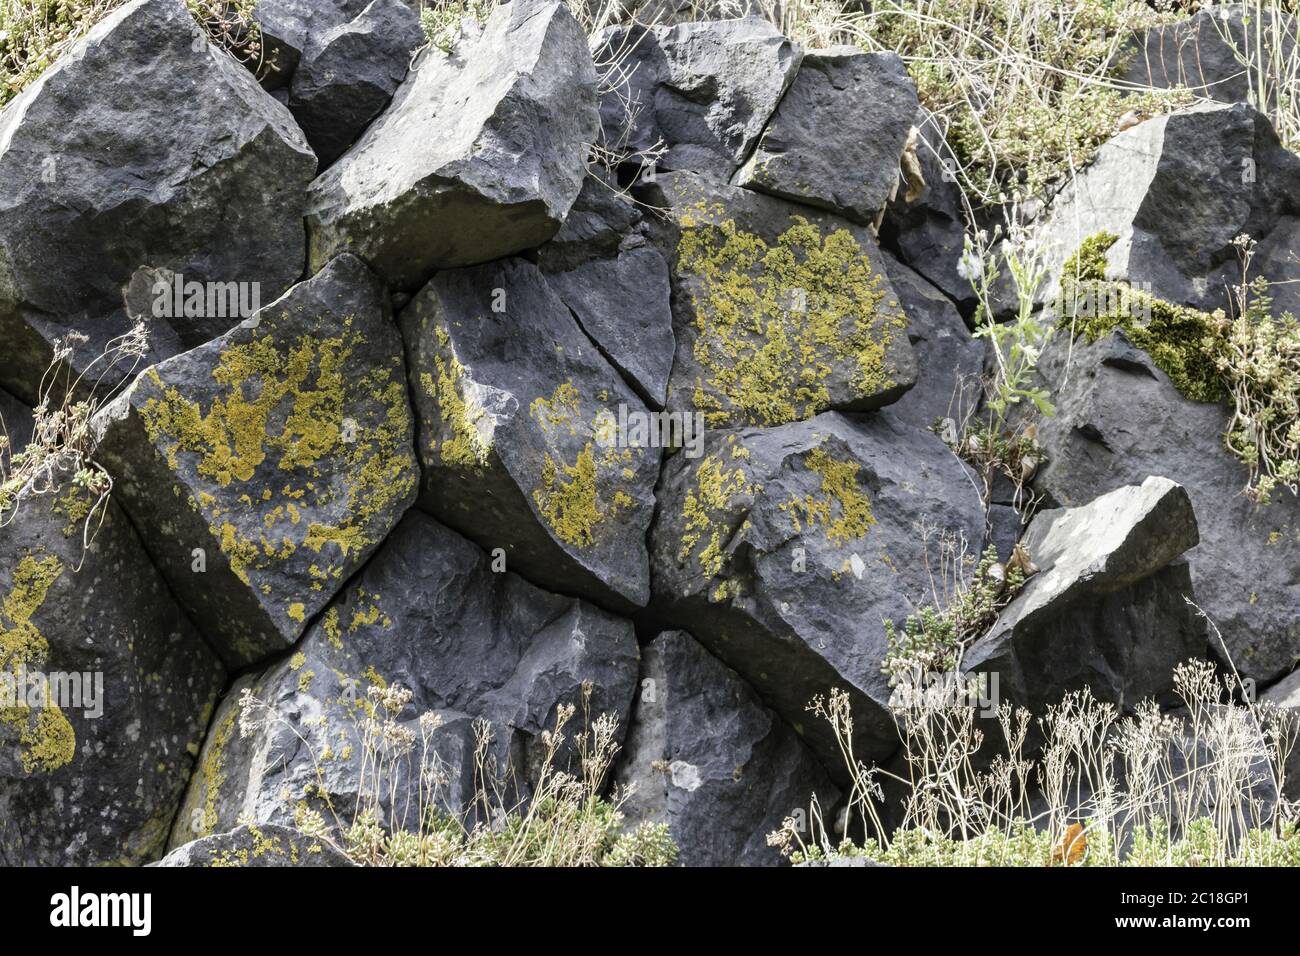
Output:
x=105 y=690
x=264 y=468
x=1176 y=190
x=428 y=613
x=784 y=548
x=218 y=199
x=289 y=27
x=521 y=433
x=616 y=283
x=703 y=90
x=480 y=155
x=780 y=311
x=1107 y=608
x=349 y=73
x=836 y=138
x=949 y=361
x=249 y=845
x=929 y=228
x=1120 y=419
x=706 y=757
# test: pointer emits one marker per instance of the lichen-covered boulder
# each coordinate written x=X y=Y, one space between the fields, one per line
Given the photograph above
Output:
x=1285 y=695
x=350 y=72
x=928 y=227
x=470 y=643
x=217 y=198
x=105 y=689
x=703 y=90
x=251 y=845
x=707 y=758
x=521 y=433
x=263 y=469
x=480 y=154
x=1107 y=609
x=1119 y=418
x=836 y=138
x=1177 y=190
x=949 y=360
x=616 y=284
x=784 y=548
x=780 y=311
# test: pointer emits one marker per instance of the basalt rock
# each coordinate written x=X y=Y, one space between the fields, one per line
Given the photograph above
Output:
x=616 y=284
x=1177 y=190
x=289 y=27
x=432 y=614
x=349 y=73
x=1107 y=609
x=265 y=467
x=837 y=137
x=480 y=154
x=701 y=91
x=707 y=758
x=520 y=433
x=780 y=311
x=1119 y=419
x=783 y=549
x=105 y=688
x=207 y=180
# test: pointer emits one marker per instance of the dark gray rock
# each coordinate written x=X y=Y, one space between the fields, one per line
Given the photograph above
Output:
x=289 y=27
x=1176 y=190
x=929 y=229
x=1119 y=419
x=949 y=360
x=430 y=614
x=217 y=198
x=706 y=757
x=1107 y=608
x=16 y=424
x=783 y=549
x=250 y=845
x=780 y=311
x=105 y=689
x=836 y=138
x=616 y=283
x=519 y=433
x=350 y=72
x=1207 y=52
x=703 y=90
x=264 y=468
x=480 y=155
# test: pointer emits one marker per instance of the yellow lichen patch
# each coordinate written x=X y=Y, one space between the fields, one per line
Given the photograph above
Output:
x=706 y=509
x=46 y=738
x=841 y=509
x=288 y=407
x=773 y=322
x=569 y=496
x=468 y=446
x=213 y=770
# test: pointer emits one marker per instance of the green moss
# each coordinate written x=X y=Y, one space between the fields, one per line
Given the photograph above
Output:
x=774 y=322
x=843 y=511
x=1181 y=341
x=46 y=738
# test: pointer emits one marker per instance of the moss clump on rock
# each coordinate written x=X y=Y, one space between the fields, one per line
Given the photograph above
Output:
x=774 y=321
x=1180 y=340
x=842 y=510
